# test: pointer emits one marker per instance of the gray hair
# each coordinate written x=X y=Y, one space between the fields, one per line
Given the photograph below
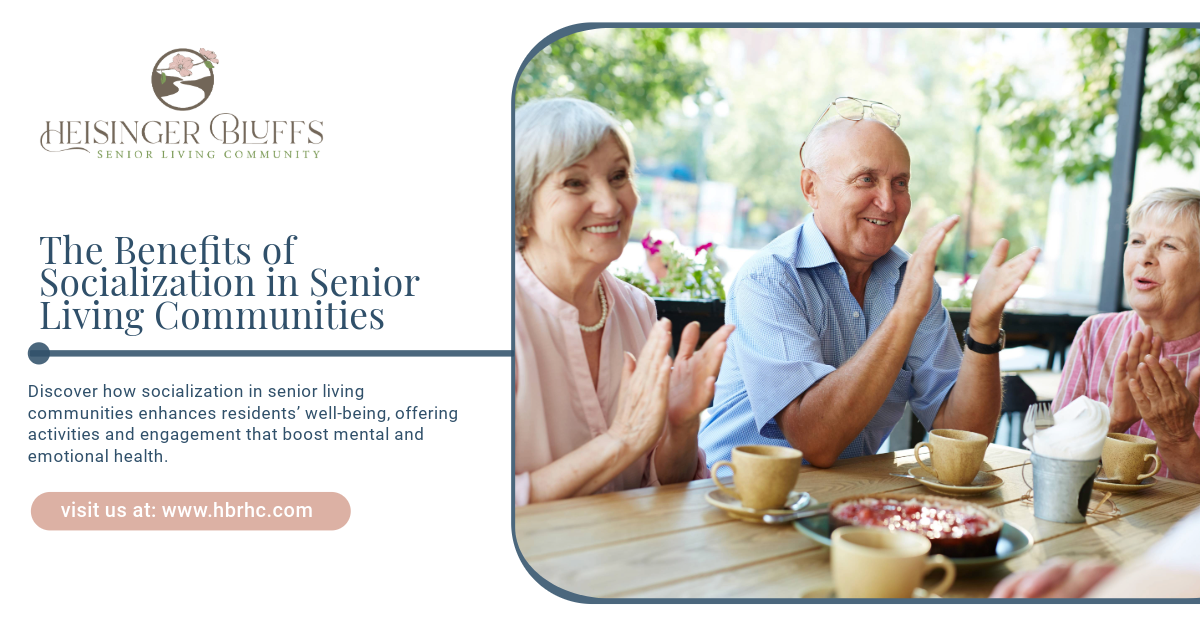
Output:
x=818 y=147
x=1168 y=205
x=552 y=134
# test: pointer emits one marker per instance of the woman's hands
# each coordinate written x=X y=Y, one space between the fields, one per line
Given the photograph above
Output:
x=694 y=376
x=1164 y=400
x=1124 y=409
x=1056 y=578
x=642 y=402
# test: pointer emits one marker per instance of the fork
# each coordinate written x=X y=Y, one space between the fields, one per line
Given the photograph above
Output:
x=1037 y=417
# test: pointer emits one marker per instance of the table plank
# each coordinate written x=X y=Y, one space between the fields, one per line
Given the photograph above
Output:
x=594 y=522
x=882 y=461
x=614 y=570
x=668 y=542
x=1120 y=539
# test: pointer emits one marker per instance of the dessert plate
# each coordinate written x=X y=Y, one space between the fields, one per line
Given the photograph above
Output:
x=735 y=509
x=827 y=593
x=1101 y=484
x=1013 y=542
x=984 y=482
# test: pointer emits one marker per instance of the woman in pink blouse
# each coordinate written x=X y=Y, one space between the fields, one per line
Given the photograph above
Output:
x=591 y=418
x=1146 y=363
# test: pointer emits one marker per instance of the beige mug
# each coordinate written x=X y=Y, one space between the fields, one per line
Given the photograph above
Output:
x=877 y=562
x=764 y=475
x=957 y=455
x=1126 y=456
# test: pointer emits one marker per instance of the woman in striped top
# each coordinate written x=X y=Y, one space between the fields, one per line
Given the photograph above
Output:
x=1146 y=363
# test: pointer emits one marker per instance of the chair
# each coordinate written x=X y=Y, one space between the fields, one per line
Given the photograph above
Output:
x=1018 y=396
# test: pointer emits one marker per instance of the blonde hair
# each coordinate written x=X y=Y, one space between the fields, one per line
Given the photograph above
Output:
x=1168 y=205
x=552 y=134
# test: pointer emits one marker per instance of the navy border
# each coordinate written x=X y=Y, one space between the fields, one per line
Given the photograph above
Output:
x=585 y=26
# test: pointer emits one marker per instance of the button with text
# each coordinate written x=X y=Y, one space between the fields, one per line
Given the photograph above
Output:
x=190 y=511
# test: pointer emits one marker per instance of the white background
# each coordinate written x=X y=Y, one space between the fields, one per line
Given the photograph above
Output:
x=413 y=177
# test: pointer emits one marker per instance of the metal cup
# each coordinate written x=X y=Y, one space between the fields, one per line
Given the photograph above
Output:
x=1062 y=489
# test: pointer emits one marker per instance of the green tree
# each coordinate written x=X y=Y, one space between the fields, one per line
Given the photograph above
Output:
x=635 y=72
x=1068 y=136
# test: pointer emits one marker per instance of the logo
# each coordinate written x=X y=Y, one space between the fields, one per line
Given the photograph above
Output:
x=183 y=78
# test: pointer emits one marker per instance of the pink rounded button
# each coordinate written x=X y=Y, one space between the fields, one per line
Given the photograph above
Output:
x=190 y=511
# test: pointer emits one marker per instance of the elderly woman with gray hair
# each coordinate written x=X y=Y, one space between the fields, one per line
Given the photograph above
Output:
x=591 y=418
x=1146 y=363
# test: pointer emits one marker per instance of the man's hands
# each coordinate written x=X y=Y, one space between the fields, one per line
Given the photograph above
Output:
x=916 y=293
x=996 y=286
x=694 y=377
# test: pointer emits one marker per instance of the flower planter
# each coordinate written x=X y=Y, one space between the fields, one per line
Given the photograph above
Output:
x=709 y=313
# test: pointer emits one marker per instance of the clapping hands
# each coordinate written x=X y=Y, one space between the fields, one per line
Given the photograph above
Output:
x=694 y=376
x=998 y=284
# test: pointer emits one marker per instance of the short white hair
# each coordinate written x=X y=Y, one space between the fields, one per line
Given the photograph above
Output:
x=552 y=134
x=818 y=146
x=1168 y=205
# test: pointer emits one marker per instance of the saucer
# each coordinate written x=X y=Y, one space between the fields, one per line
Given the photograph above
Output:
x=1013 y=542
x=1116 y=487
x=735 y=509
x=826 y=593
x=983 y=483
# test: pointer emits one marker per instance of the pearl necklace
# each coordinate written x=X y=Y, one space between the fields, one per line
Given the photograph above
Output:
x=603 y=312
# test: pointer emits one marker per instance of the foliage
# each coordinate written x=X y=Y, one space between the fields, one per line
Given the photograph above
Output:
x=687 y=277
x=634 y=72
x=1069 y=136
x=962 y=302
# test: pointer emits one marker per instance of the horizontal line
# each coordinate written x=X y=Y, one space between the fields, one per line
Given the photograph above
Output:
x=260 y=353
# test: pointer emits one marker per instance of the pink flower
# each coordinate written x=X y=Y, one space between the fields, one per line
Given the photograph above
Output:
x=182 y=64
x=965 y=279
x=703 y=247
x=210 y=55
x=651 y=246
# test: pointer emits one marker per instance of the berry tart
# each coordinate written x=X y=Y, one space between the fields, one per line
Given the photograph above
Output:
x=955 y=528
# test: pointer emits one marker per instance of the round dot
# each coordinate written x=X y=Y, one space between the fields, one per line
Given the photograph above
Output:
x=96 y=302
x=206 y=269
x=343 y=301
x=376 y=269
x=66 y=302
x=318 y=301
x=271 y=269
x=103 y=269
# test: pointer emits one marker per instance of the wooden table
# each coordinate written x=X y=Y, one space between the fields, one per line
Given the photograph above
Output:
x=667 y=542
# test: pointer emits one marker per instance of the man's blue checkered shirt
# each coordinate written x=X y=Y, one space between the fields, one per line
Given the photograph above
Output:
x=797 y=322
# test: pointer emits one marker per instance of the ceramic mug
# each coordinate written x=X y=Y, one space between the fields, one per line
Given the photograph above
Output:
x=1126 y=456
x=764 y=475
x=877 y=562
x=957 y=455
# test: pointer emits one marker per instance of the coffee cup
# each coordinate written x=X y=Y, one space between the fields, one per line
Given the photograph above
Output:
x=881 y=563
x=957 y=455
x=764 y=475
x=1127 y=458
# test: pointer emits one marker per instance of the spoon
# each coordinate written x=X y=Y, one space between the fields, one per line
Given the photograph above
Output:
x=801 y=502
x=796 y=511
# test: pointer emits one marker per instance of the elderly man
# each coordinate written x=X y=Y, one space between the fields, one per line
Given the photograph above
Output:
x=837 y=328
